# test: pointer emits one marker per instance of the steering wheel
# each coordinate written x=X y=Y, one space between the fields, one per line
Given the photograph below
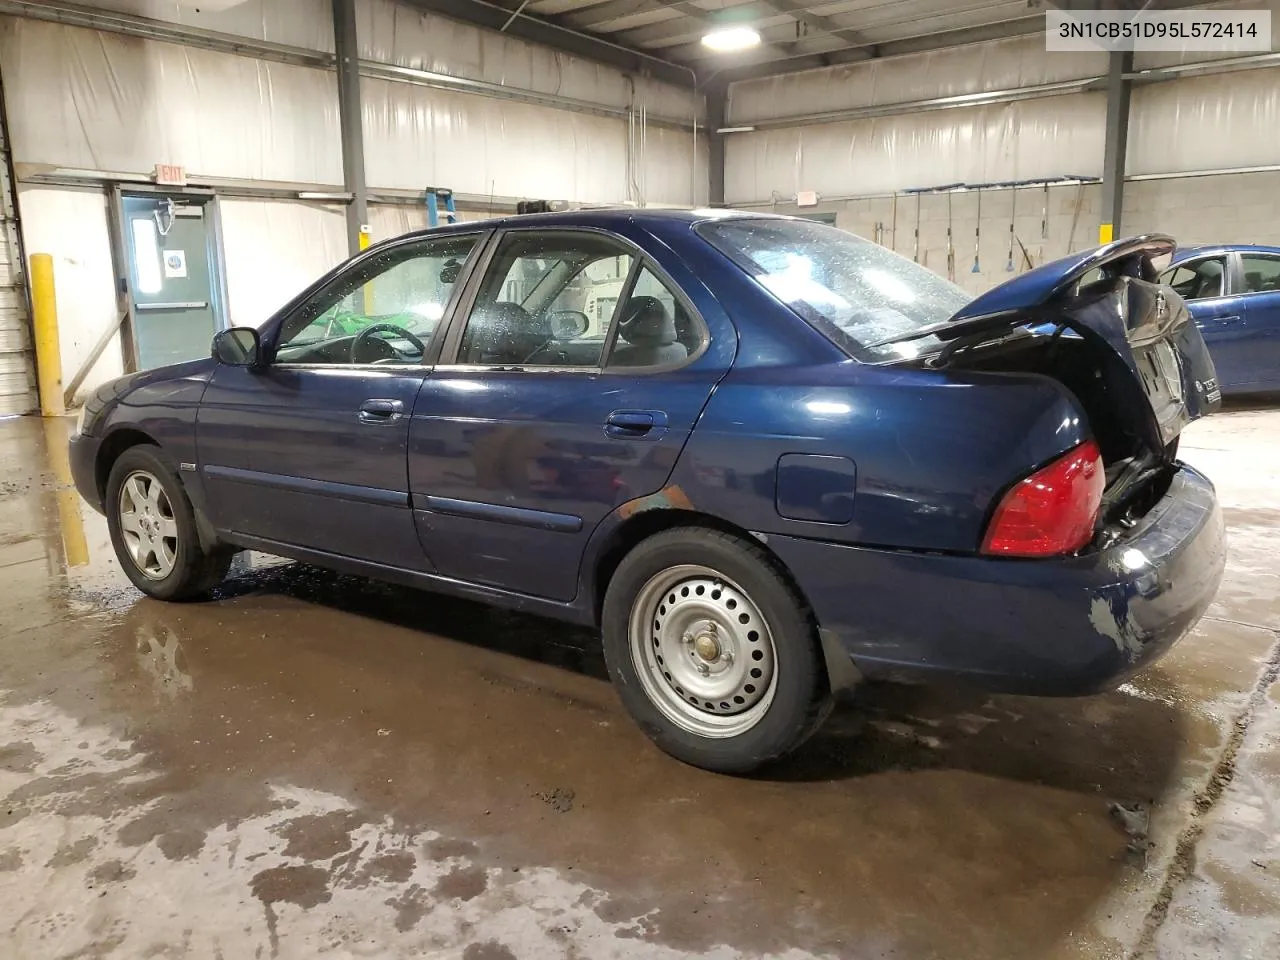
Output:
x=364 y=335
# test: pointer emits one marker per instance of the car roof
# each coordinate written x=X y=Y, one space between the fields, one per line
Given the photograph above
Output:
x=608 y=218
x=1200 y=249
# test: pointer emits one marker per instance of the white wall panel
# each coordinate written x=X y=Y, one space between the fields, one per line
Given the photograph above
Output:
x=417 y=137
x=109 y=102
x=395 y=33
x=667 y=168
x=71 y=226
x=1147 y=59
x=298 y=23
x=1049 y=137
x=1206 y=123
x=274 y=249
x=970 y=69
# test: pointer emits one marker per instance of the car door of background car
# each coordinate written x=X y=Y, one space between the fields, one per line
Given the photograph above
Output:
x=1206 y=284
x=567 y=387
x=1260 y=293
x=311 y=449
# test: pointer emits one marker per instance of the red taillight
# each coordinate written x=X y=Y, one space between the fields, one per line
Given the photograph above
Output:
x=1052 y=511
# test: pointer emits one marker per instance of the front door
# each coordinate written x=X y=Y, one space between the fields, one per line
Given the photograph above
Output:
x=570 y=390
x=311 y=450
x=1260 y=289
x=172 y=271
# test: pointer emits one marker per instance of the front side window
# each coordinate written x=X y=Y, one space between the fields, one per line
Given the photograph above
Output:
x=1261 y=273
x=1199 y=280
x=384 y=312
x=547 y=300
x=853 y=291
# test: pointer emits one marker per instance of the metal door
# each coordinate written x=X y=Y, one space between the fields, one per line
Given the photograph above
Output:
x=172 y=278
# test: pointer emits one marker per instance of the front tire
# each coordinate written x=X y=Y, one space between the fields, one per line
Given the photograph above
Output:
x=712 y=651
x=153 y=529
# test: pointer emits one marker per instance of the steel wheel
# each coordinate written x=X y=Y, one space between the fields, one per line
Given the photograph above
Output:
x=703 y=652
x=147 y=525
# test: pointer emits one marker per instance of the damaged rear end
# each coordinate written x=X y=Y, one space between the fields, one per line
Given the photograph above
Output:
x=1128 y=351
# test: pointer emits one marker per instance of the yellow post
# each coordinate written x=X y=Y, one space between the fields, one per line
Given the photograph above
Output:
x=1106 y=233
x=366 y=237
x=44 y=305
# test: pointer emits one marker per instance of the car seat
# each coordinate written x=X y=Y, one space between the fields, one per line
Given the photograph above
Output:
x=503 y=333
x=647 y=336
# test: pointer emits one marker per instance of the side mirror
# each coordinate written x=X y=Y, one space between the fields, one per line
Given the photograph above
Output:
x=238 y=347
x=568 y=324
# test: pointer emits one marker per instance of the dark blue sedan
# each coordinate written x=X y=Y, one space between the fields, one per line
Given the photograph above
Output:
x=765 y=457
x=1233 y=293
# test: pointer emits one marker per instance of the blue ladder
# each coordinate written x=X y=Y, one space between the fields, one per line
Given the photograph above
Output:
x=434 y=196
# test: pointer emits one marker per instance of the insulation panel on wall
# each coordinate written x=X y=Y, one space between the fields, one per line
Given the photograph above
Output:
x=274 y=250
x=1026 y=139
x=216 y=114
x=975 y=68
x=417 y=137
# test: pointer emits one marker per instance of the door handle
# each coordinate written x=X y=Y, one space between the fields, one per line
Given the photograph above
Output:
x=381 y=411
x=1234 y=318
x=633 y=424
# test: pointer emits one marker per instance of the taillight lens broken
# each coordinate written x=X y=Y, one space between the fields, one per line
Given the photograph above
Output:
x=1053 y=511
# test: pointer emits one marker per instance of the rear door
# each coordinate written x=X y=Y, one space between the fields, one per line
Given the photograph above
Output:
x=567 y=388
x=311 y=450
x=1259 y=286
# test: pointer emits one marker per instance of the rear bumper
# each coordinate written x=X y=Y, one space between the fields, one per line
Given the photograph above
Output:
x=84 y=456
x=1062 y=627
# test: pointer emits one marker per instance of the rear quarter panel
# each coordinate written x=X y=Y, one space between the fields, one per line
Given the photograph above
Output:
x=932 y=450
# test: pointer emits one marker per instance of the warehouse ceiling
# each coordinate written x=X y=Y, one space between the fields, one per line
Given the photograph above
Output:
x=664 y=36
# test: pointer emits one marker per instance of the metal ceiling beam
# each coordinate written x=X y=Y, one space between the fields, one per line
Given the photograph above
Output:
x=597 y=17
x=559 y=34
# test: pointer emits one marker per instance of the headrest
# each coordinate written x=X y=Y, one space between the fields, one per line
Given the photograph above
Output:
x=646 y=323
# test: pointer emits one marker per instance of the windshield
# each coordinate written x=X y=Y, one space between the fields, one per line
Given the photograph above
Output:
x=855 y=292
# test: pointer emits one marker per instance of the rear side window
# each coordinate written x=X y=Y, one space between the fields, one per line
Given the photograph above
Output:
x=855 y=292
x=1261 y=274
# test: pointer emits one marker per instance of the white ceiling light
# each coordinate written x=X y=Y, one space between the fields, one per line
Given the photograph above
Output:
x=728 y=39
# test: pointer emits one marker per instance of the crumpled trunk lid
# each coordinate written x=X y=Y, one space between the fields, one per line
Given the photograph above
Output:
x=1102 y=323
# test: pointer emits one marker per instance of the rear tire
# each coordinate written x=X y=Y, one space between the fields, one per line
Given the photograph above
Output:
x=153 y=529
x=712 y=652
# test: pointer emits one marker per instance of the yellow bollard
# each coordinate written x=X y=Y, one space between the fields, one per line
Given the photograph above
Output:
x=1106 y=233
x=44 y=306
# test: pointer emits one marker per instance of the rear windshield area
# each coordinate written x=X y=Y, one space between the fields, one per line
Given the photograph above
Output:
x=854 y=291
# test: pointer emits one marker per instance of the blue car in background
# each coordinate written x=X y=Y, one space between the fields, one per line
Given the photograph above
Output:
x=765 y=457
x=1233 y=293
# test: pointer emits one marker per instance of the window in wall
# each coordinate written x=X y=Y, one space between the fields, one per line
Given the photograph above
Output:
x=384 y=312
x=146 y=255
x=1261 y=273
x=547 y=299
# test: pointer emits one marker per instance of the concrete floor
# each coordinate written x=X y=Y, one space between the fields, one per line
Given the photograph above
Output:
x=314 y=765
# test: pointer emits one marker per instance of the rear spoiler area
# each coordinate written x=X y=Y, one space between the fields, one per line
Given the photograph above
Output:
x=1018 y=301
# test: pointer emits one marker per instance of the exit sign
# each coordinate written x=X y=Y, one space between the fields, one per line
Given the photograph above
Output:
x=170 y=175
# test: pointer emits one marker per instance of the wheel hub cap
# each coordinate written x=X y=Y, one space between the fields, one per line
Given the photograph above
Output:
x=703 y=651
x=147 y=525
